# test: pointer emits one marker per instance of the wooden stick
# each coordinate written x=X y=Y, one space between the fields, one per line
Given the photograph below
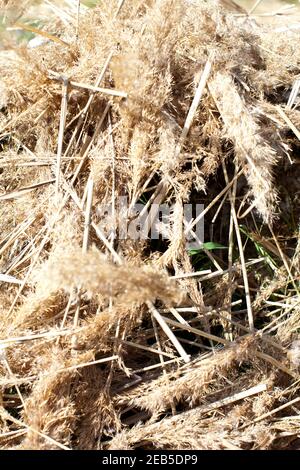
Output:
x=196 y=331
x=113 y=177
x=207 y=252
x=107 y=91
x=98 y=231
x=8 y=417
x=146 y=348
x=285 y=260
x=233 y=398
x=84 y=111
x=86 y=364
x=195 y=103
x=16 y=433
x=241 y=250
x=207 y=209
x=162 y=361
x=11 y=375
x=63 y=114
x=155 y=366
x=293 y=95
x=234 y=269
x=9 y=279
x=87 y=221
x=256 y=4
x=121 y=3
x=86 y=86
x=50 y=334
x=163 y=324
x=188 y=275
x=288 y=122
x=270 y=413
x=77 y=19
x=25 y=190
x=178 y=316
x=88 y=211
x=277 y=364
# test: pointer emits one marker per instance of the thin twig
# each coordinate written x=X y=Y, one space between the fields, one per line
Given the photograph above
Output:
x=63 y=114
x=233 y=398
x=288 y=122
x=163 y=324
x=146 y=348
x=213 y=202
x=77 y=19
x=88 y=212
x=8 y=417
x=241 y=250
x=197 y=332
x=86 y=86
x=270 y=413
x=87 y=364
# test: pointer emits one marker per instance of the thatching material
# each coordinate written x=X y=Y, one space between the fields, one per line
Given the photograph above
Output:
x=108 y=342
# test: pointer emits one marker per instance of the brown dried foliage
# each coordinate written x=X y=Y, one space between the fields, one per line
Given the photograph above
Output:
x=88 y=353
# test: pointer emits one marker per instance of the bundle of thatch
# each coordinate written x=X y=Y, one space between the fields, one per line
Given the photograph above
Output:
x=124 y=342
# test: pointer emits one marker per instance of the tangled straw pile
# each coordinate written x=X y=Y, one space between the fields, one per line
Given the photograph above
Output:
x=115 y=343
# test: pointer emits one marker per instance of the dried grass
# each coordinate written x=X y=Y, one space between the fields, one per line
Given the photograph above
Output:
x=163 y=101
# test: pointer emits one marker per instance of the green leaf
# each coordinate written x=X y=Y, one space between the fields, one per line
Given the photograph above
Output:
x=209 y=246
